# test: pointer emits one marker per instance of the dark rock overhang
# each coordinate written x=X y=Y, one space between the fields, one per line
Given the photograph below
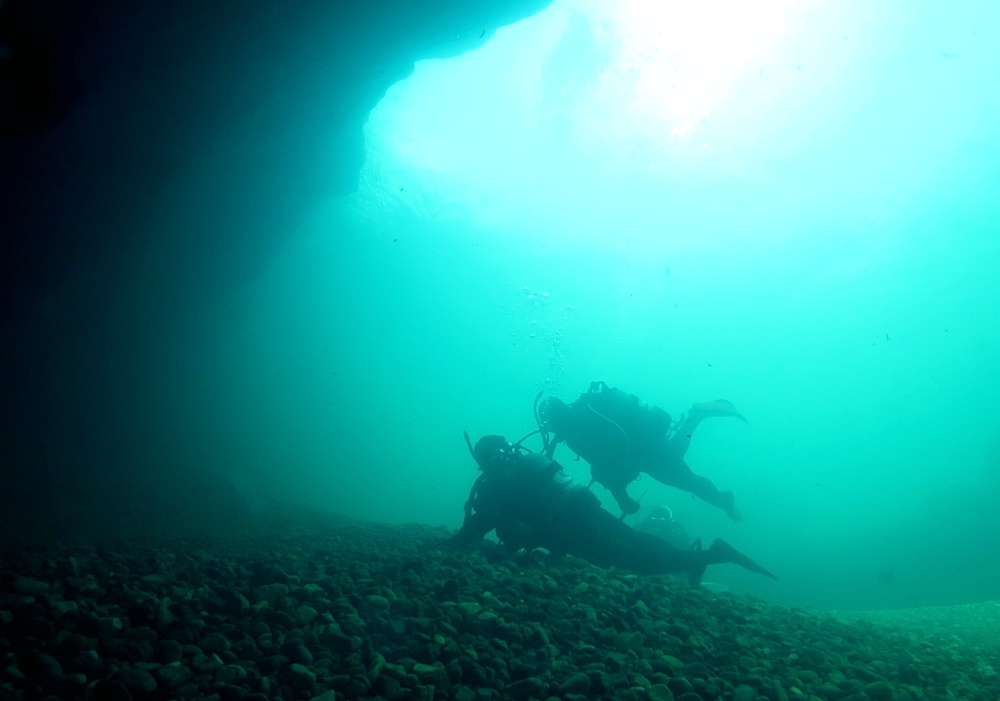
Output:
x=162 y=130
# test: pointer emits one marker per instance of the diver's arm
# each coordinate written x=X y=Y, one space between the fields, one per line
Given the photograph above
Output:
x=610 y=478
x=474 y=529
x=550 y=448
x=627 y=504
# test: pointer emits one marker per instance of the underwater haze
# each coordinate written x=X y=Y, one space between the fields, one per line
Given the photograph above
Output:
x=793 y=205
x=789 y=205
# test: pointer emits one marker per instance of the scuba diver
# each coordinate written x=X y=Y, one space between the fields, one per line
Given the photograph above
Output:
x=660 y=522
x=620 y=436
x=531 y=503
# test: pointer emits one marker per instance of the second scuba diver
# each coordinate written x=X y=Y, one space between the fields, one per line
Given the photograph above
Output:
x=530 y=502
x=620 y=436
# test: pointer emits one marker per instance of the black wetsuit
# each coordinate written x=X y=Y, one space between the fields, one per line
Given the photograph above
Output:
x=620 y=436
x=531 y=503
x=665 y=529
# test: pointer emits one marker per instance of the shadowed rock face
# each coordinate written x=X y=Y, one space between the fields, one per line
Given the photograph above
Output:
x=168 y=131
x=111 y=100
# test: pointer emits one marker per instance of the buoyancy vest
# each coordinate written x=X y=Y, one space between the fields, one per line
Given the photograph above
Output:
x=533 y=490
x=607 y=424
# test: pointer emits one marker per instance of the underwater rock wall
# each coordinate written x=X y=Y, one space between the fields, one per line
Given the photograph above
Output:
x=153 y=155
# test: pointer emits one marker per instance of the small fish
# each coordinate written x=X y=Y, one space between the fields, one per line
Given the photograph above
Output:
x=483 y=34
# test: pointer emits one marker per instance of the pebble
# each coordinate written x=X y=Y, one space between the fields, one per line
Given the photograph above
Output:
x=579 y=683
x=880 y=691
x=137 y=681
x=344 y=613
x=271 y=593
x=29 y=587
x=662 y=692
x=61 y=608
x=305 y=614
x=524 y=688
x=299 y=677
x=111 y=690
x=230 y=674
x=389 y=688
x=470 y=608
x=429 y=674
x=214 y=643
x=174 y=675
x=42 y=668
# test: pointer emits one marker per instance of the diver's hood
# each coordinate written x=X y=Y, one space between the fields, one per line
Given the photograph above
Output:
x=485 y=447
x=551 y=413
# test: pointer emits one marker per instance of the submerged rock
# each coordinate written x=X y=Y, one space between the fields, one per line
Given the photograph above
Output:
x=29 y=587
x=579 y=683
x=340 y=614
x=173 y=676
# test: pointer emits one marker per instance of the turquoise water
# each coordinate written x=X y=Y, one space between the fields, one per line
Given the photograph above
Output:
x=793 y=207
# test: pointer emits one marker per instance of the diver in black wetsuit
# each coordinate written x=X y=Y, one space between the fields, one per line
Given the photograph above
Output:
x=660 y=522
x=531 y=503
x=620 y=436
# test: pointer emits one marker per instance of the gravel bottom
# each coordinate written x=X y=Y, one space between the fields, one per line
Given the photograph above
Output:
x=324 y=611
x=967 y=626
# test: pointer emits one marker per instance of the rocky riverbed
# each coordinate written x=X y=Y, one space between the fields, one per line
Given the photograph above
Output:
x=329 y=612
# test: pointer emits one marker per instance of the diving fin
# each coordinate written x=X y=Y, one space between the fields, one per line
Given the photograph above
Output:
x=721 y=552
x=720 y=407
x=695 y=575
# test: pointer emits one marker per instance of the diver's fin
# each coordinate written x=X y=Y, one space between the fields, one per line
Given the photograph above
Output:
x=695 y=575
x=722 y=551
x=720 y=407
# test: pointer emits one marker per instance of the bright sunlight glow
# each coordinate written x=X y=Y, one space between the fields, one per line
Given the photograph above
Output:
x=674 y=62
x=563 y=121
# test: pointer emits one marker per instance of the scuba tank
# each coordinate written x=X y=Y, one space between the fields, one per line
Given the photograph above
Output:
x=638 y=421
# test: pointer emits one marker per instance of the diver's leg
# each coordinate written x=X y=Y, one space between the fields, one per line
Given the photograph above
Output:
x=674 y=472
x=681 y=439
x=605 y=541
x=627 y=504
x=608 y=542
x=617 y=483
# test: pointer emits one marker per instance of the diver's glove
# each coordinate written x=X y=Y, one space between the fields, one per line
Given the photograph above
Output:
x=629 y=507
